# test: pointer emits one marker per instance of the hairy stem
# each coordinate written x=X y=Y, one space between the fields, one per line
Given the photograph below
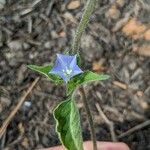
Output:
x=90 y=118
x=90 y=5
x=89 y=8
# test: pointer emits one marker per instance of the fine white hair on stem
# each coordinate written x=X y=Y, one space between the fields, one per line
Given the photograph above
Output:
x=89 y=8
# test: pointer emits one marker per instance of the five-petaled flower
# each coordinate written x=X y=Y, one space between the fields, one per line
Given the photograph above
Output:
x=66 y=67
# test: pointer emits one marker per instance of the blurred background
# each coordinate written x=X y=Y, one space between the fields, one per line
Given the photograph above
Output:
x=116 y=42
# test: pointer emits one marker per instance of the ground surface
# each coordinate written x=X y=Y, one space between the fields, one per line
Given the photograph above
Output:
x=116 y=42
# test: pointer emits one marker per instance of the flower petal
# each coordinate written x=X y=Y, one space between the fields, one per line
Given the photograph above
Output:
x=65 y=59
x=73 y=62
x=64 y=77
x=76 y=70
x=57 y=67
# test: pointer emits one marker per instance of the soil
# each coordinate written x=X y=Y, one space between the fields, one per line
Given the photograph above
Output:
x=32 y=32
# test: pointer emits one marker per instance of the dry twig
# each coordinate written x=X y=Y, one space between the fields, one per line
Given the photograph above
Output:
x=90 y=118
x=14 y=111
x=108 y=122
x=135 y=128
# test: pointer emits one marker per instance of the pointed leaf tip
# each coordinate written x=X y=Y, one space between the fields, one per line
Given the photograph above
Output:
x=45 y=71
x=86 y=77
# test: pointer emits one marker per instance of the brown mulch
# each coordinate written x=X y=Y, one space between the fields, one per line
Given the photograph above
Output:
x=33 y=31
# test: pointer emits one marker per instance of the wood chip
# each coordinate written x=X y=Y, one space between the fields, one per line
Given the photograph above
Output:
x=1 y=108
x=134 y=28
x=35 y=3
x=98 y=67
x=120 y=2
x=2 y=4
x=80 y=105
x=144 y=104
x=113 y=12
x=25 y=143
x=62 y=34
x=21 y=128
x=120 y=85
x=143 y=50
x=15 y=45
x=70 y=17
x=139 y=93
x=26 y=11
x=147 y=35
x=74 y=4
x=121 y=22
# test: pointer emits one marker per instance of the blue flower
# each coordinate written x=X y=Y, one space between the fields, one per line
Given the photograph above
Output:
x=66 y=67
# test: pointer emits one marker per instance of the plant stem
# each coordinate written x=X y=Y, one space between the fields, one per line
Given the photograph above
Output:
x=90 y=5
x=90 y=118
x=89 y=8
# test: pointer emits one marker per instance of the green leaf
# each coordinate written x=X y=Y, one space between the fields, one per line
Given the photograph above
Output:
x=45 y=71
x=68 y=126
x=84 y=78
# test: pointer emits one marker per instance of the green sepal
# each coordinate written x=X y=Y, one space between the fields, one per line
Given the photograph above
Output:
x=68 y=126
x=45 y=71
x=79 y=62
x=66 y=52
x=85 y=77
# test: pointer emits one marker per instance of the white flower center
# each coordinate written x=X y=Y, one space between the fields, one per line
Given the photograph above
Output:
x=67 y=71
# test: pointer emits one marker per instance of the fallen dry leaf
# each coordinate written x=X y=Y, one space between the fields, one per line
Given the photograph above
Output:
x=134 y=28
x=73 y=4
